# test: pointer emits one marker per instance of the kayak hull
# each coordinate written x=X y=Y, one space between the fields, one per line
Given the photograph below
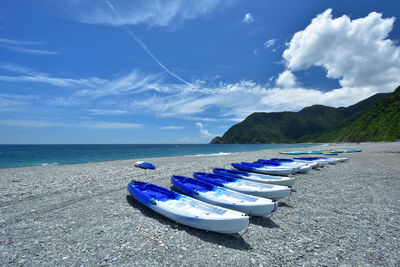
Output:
x=270 y=191
x=186 y=210
x=145 y=165
x=223 y=197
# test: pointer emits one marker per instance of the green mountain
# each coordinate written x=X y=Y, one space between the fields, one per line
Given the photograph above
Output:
x=374 y=119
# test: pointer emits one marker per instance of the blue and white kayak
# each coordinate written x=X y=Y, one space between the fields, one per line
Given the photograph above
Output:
x=145 y=165
x=330 y=160
x=342 y=159
x=223 y=197
x=260 y=178
x=256 y=167
x=186 y=210
x=297 y=166
x=288 y=161
x=244 y=186
x=334 y=160
x=320 y=162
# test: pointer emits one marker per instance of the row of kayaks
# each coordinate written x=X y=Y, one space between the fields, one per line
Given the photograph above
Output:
x=330 y=152
x=222 y=201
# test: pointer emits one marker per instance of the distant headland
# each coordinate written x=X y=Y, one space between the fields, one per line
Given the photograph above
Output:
x=376 y=118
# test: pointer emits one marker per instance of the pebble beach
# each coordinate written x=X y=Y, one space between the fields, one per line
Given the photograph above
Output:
x=81 y=214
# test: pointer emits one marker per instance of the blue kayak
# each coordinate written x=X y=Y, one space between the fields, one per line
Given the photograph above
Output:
x=352 y=150
x=244 y=186
x=145 y=165
x=186 y=210
x=223 y=197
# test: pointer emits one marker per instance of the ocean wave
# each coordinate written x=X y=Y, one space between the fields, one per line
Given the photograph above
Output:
x=49 y=164
x=213 y=154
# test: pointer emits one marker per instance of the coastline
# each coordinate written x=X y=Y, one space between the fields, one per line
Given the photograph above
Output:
x=81 y=214
x=18 y=156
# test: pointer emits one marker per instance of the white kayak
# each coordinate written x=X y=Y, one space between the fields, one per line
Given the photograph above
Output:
x=223 y=197
x=260 y=178
x=244 y=186
x=186 y=210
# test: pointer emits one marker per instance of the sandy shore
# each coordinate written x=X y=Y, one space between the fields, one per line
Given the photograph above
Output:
x=348 y=214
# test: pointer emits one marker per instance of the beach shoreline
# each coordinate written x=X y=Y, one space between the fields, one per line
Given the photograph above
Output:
x=81 y=214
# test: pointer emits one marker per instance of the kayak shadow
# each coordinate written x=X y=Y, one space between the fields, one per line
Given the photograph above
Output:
x=264 y=222
x=286 y=205
x=234 y=241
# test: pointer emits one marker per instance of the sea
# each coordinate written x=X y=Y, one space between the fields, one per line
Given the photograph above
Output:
x=13 y=156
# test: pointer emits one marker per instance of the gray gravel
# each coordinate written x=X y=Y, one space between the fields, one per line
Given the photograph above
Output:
x=348 y=215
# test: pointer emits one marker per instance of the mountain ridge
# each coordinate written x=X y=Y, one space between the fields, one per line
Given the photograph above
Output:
x=319 y=123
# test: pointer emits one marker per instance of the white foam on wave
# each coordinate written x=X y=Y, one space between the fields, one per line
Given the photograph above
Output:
x=214 y=154
x=49 y=164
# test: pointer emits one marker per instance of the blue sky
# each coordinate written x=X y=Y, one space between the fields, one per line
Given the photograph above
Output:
x=176 y=71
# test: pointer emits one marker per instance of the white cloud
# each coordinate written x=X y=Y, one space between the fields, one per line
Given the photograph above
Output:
x=269 y=43
x=248 y=18
x=203 y=132
x=149 y=12
x=286 y=79
x=357 y=52
x=172 y=127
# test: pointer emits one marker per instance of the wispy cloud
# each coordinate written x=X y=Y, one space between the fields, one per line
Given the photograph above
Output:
x=30 y=123
x=111 y=125
x=13 y=100
x=30 y=75
x=18 y=42
x=248 y=18
x=86 y=124
x=24 y=47
x=269 y=43
x=144 y=46
x=172 y=127
x=106 y=112
x=152 y=13
x=316 y=45
x=203 y=132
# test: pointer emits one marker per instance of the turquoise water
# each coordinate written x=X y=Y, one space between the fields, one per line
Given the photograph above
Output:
x=12 y=156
